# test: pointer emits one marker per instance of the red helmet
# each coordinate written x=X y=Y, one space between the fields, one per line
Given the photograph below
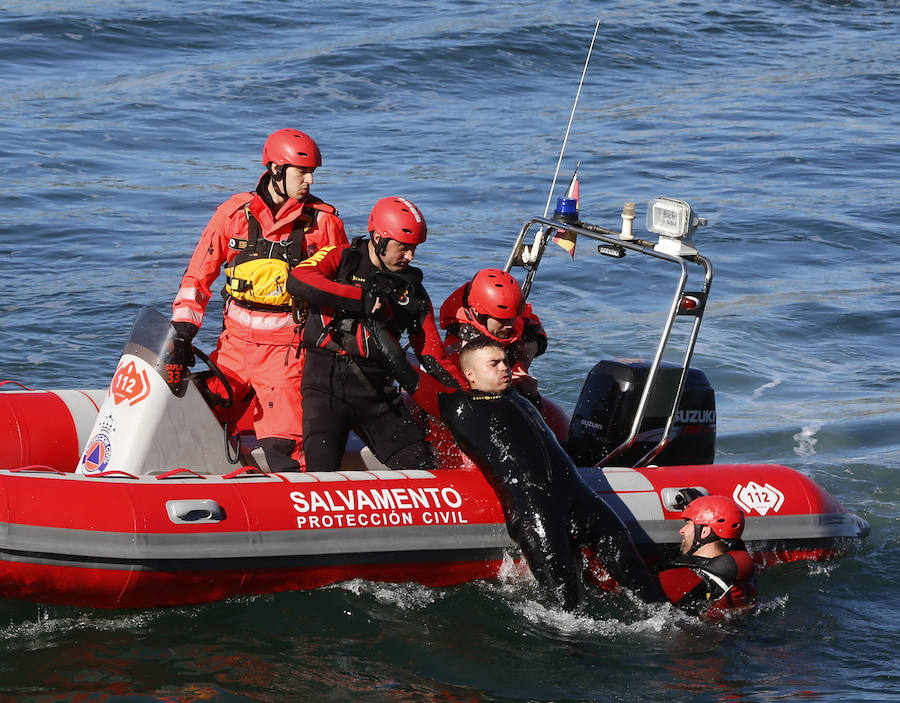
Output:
x=495 y=293
x=721 y=514
x=397 y=218
x=291 y=147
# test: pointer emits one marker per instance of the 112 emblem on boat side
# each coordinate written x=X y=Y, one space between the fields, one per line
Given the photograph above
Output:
x=762 y=499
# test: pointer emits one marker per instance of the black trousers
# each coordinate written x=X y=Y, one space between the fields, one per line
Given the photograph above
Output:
x=339 y=395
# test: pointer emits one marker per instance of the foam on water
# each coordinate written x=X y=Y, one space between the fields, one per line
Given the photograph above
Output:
x=806 y=438
x=405 y=596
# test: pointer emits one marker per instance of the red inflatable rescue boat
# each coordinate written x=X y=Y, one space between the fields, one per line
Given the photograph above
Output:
x=136 y=496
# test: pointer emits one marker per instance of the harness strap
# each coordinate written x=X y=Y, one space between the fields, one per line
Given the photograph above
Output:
x=356 y=367
x=293 y=248
x=257 y=247
x=716 y=580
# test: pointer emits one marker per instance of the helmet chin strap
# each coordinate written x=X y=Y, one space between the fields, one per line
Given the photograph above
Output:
x=380 y=248
x=700 y=541
x=466 y=307
x=277 y=177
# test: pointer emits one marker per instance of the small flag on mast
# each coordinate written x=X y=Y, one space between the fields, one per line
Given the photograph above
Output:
x=565 y=238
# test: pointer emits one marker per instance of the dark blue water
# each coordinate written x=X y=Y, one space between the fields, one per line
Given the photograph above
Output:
x=126 y=123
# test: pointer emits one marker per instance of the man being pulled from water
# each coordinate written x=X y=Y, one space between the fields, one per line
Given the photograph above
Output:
x=550 y=512
x=565 y=530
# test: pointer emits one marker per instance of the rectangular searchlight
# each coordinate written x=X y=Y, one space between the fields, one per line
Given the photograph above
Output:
x=672 y=218
x=674 y=222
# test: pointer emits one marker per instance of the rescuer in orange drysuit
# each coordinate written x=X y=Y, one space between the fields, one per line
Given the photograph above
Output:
x=259 y=237
x=492 y=305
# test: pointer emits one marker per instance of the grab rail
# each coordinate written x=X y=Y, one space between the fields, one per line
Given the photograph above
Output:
x=612 y=245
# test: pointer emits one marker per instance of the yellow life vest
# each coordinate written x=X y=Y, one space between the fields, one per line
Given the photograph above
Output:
x=259 y=282
x=257 y=277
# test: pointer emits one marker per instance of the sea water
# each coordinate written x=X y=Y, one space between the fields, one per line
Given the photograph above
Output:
x=126 y=123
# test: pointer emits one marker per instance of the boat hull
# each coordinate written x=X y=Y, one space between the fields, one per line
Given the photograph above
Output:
x=118 y=541
x=112 y=539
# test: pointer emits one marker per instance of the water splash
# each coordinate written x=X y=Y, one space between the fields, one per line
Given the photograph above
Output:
x=46 y=624
x=806 y=438
x=405 y=596
x=601 y=618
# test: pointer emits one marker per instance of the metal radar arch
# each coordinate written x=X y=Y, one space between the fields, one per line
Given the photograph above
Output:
x=674 y=222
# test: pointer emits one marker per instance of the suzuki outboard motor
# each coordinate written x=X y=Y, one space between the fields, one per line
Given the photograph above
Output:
x=605 y=412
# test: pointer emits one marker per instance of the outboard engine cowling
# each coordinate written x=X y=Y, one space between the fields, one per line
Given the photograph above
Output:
x=605 y=411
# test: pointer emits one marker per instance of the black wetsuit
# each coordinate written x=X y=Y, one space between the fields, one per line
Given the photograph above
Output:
x=551 y=513
x=345 y=383
x=563 y=527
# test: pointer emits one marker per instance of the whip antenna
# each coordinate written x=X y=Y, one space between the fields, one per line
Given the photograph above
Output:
x=566 y=138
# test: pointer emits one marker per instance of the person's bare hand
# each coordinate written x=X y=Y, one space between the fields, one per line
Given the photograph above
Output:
x=526 y=384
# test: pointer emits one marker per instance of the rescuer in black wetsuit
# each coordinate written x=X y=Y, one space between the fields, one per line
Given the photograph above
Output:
x=345 y=385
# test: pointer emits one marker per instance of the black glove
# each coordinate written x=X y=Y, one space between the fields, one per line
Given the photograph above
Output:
x=182 y=349
x=684 y=497
x=370 y=298
x=393 y=290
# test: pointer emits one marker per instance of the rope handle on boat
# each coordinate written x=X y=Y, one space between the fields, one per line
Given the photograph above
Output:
x=115 y=473
x=252 y=472
x=37 y=468
x=231 y=454
x=23 y=387
x=176 y=473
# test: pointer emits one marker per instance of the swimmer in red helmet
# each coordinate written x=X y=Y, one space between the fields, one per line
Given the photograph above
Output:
x=714 y=572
